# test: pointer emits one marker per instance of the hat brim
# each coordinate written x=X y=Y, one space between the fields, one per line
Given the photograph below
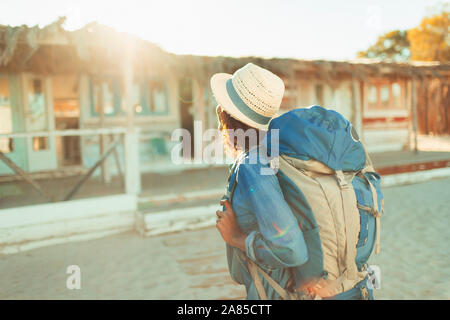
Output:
x=219 y=90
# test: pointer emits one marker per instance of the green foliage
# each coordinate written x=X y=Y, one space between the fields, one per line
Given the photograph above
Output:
x=393 y=45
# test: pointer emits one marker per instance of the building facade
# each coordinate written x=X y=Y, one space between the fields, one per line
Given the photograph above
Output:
x=97 y=78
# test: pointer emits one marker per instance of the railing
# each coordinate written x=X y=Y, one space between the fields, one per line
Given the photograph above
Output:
x=129 y=138
x=71 y=132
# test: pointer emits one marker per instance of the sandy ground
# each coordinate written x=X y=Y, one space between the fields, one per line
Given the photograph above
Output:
x=415 y=242
x=414 y=259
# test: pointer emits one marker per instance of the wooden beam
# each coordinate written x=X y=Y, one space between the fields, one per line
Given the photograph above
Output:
x=364 y=92
x=293 y=101
x=104 y=174
x=24 y=175
x=128 y=77
x=414 y=113
x=116 y=159
x=64 y=133
x=356 y=106
x=83 y=179
x=407 y=101
x=132 y=170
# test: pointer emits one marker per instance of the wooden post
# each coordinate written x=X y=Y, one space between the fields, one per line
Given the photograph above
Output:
x=106 y=178
x=364 y=91
x=293 y=90
x=414 y=113
x=406 y=100
x=131 y=139
x=356 y=106
x=199 y=121
x=132 y=171
x=128 y=77
x=201 y=104
x=117 y=160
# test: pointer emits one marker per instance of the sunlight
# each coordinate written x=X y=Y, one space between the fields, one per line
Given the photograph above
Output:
x=172 y=25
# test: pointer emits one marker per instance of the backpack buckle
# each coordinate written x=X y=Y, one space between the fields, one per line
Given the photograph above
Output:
x=341 y=179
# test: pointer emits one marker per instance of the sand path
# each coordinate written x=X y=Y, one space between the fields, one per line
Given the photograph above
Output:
x=414 y=259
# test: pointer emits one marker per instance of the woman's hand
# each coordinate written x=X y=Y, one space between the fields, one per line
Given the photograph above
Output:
x=229 y=228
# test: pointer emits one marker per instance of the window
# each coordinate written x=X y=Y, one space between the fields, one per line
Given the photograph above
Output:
x=65 y=97
x=40 y=143
x=383 y=94
x=6 y=144
x=36 y=105
x=136 y=98
x=158 y=97
x=37 y=118
x=373 y=97
x=153 y=98
x=106 y=91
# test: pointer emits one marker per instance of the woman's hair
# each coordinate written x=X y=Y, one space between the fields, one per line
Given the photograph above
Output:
x=228 y=126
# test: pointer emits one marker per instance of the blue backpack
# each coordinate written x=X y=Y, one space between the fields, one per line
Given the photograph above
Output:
x=329 y=182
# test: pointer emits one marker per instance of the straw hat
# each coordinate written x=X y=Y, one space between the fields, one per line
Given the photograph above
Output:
x=251 y=95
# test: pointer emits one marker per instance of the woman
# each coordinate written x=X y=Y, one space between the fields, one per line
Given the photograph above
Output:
x=258 y=225
x=318 y=246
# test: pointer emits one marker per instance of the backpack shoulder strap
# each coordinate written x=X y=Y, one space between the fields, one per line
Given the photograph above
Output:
x=255 y=270
x=374 y=209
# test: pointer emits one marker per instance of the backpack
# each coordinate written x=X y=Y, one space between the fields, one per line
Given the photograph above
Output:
x=341 y=227
x=339 y=215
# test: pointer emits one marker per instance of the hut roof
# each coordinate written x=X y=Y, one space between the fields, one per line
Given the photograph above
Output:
x=99 y=49
x=52 y=49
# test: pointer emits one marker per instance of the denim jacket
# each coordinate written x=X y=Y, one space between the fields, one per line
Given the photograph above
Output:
x=275 y=241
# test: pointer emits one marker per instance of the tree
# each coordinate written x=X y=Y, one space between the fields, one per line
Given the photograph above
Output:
x=430 y=41
x=393 y=45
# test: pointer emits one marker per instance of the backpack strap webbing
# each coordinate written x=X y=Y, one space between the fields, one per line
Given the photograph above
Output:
x=349 y=274
x=351 y=224
x=254 y=270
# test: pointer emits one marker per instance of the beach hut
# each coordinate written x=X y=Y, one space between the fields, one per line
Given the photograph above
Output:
x=54 y=80
x=75 y=101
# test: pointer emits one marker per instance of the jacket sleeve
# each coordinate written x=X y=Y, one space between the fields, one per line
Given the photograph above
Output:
x=278 y=242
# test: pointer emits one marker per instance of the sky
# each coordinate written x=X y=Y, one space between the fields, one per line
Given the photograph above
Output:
x=313 y=29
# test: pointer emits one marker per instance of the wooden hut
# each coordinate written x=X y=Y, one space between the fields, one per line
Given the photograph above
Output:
x=52 y=79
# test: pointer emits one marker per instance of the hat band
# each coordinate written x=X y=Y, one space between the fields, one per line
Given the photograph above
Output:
x=242 y=106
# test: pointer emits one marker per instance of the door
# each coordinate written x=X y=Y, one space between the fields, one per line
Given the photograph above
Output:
x=11 y=121
x=186 y=112
x=39 y=117
x=66 y=111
